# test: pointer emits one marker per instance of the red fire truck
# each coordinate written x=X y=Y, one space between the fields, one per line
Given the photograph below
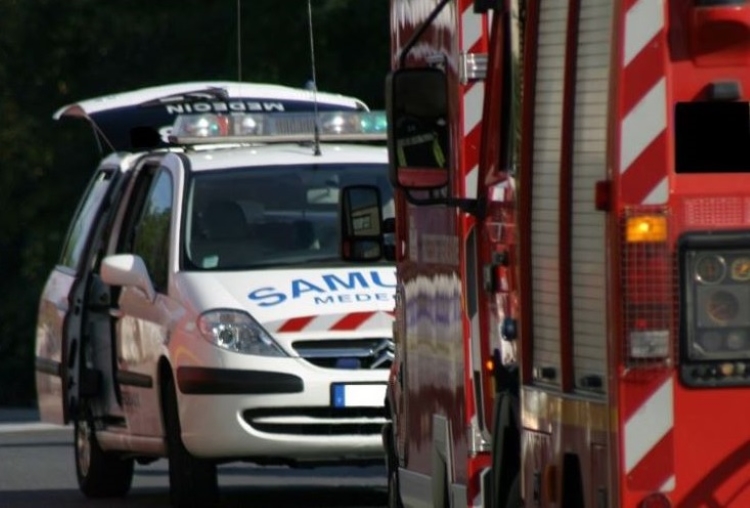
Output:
x=572 y=240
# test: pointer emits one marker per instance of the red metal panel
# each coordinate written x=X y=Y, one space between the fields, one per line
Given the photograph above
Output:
x=661 y=66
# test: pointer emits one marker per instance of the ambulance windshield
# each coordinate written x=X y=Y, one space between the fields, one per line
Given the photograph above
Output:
x=259 y=217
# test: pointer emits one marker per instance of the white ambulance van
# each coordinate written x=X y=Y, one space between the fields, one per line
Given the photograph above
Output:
x=200 y=309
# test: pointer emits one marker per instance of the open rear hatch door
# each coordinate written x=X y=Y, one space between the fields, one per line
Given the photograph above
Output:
x=142 y=119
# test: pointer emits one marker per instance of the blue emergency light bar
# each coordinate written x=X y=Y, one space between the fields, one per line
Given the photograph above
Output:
x=205 y=128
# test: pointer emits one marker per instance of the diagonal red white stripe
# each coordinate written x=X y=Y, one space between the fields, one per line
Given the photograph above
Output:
x=647 y=400
x=332 y=322
x=648 y=452
x=473 y=37
x=643 y=105
x=473 y=40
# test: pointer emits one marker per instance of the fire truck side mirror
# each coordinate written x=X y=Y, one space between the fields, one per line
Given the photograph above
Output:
x=361 y=223
x=418 y=141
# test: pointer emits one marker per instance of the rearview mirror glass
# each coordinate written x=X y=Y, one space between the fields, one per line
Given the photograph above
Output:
x=417 y=106
x=361 y=217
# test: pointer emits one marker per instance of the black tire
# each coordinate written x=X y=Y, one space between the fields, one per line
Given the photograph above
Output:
x=100 y=474
x=394 y=494
x=391 y=465
x=497 y=500
x=514 y=495
x=192 y=481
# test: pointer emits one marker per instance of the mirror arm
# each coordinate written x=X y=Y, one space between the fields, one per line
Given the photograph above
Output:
x=420 y=31
x=475 y=207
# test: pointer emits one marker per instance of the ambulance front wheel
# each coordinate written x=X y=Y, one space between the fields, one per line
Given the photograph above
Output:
x=100 y=474
x=192 y=481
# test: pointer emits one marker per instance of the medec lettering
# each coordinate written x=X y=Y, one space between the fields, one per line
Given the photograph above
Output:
x=330 y=288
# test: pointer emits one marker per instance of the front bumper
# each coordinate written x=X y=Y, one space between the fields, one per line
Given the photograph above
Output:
x=273 y=417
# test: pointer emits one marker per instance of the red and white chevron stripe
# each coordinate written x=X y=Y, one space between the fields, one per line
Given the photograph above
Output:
x=333 y=322
x=643 y=104
x=648 y=434
x=473 y=40
x=648 y=414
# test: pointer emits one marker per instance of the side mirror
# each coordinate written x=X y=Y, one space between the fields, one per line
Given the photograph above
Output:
x=418 y=130
x=127 y=270
x=361 y=217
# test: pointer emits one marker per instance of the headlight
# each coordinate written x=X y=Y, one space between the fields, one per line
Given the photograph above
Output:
x=238 y=332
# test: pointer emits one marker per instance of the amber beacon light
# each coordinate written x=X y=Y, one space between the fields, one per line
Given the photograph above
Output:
x=720 y=32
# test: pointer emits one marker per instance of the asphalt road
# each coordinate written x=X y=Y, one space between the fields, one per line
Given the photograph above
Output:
x=36 y=470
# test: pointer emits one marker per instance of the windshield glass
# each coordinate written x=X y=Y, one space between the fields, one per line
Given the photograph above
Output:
x=258 y=217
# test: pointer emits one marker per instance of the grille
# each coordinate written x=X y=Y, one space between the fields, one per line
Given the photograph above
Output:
x=729 y=211
x=376 y=353
x=316 y=421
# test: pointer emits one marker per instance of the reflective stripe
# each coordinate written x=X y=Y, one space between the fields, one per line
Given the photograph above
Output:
x=643 y=124
x=471 y=28
x=643 y=21
x=648 y=425
x=643 y=146
x=332 y=322
x=437 y=152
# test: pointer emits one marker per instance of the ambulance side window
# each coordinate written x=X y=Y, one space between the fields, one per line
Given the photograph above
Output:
x=81 y=226
x=151 y=232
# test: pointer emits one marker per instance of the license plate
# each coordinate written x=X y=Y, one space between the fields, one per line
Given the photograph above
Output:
x=357 y=395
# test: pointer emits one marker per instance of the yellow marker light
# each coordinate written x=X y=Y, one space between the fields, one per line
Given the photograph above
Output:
x=727 y=369
x=489 y=365
x=646 y=228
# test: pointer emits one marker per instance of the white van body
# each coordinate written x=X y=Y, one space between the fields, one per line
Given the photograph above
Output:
x=254 y=335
